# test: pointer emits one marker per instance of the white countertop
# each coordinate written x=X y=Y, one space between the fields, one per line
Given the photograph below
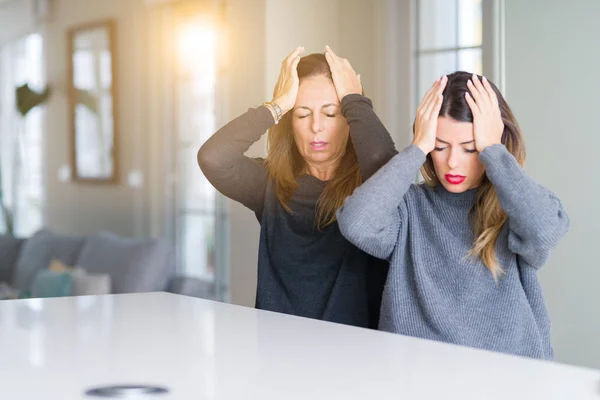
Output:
x=199 y=349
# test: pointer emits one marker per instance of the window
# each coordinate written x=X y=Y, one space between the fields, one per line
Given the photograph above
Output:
x=201 y=213
x=449 y=38
x=21 y=62
x=92 y=78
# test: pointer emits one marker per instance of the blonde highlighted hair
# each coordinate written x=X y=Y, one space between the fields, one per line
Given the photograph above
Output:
x=487 y=215
x=285 y=163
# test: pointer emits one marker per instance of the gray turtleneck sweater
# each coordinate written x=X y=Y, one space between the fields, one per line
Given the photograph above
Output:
x=433 y=290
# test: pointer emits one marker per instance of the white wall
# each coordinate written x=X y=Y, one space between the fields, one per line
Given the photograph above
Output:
x=16 y=20
x=291 y=23
x=552 y=65
x=393 y=64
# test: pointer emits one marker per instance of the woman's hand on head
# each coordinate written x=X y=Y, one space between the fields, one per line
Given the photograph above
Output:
x=345 y=79
x=427 y=116
x=286 y=88
x=487 y=119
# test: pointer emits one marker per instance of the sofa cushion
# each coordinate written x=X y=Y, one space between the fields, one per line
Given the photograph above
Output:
x=10 y=247
x=85 y=284
x=39 y=250
x=134 y=265
x=48 y=283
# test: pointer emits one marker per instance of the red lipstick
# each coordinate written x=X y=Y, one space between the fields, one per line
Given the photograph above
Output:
x=455 y=179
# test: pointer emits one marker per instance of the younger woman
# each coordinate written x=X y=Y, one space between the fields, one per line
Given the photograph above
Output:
x=466 y=245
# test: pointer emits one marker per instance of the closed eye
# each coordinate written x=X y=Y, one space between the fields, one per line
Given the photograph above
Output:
x=439 y=148
x=302 y=116
x=471 y=151
x=330 y=115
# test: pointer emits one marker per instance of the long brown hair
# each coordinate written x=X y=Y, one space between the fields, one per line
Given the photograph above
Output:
x=488 y=217
x=285 y=163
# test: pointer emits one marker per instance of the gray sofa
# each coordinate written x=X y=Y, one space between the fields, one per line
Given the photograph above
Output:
x=133 y=265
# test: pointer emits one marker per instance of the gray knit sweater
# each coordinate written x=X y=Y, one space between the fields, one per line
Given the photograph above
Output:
x=433 y=290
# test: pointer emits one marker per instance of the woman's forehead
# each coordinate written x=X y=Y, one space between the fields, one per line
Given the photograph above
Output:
x=454 y=132
x=316 y=90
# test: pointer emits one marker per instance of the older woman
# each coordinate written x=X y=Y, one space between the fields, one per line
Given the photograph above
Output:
x=318 y=153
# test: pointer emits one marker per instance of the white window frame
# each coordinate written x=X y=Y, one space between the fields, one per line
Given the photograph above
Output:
x=492 y=45
x=29 y=185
